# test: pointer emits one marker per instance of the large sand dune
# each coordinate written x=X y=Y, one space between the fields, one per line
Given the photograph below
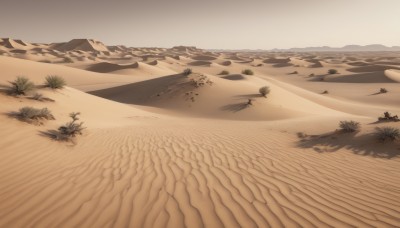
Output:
x=160 y=149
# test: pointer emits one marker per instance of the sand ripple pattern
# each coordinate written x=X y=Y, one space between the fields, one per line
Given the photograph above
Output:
x=140 y=177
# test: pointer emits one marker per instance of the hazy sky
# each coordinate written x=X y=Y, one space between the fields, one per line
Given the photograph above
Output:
x=228 y=24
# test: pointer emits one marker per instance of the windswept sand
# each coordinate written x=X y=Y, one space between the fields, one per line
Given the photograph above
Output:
x=166 y=161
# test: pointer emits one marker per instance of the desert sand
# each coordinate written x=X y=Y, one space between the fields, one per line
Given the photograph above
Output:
x=164 y=149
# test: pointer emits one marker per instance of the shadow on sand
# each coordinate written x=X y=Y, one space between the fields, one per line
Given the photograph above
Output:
x=365 y=144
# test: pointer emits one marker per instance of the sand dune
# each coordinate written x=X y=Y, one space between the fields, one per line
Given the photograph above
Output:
x=106 y=67
x=81 y=44
x=393 y=75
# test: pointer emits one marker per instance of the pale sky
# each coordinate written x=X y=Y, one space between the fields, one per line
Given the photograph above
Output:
x=211 y=24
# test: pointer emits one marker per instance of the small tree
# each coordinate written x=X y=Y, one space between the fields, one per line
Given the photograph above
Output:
x=247 y=72
x=332 y=71
x=264 y=91
x=349 y=126
x=21 y=86
x=55 y=82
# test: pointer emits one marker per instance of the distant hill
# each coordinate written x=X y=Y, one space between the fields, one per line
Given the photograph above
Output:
x=347 y=48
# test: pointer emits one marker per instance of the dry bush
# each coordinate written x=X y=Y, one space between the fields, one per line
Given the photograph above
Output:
x=332 y=71
x=349 y=126
x=264 y=91
x=70 y=129
x=247 y=72
x=187 y=71
x=21 y=86
x=34 y=115
x=55 y=82
x=224 y=72
x=387 y=134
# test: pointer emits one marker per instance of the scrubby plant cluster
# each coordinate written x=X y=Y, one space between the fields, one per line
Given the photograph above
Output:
x=332 y=71
x=34 y=115
x=71 y=129
x=387 y=134
x=349 y=126
x=201 y=81
x=187 y=71
x=247 y=72
x=264 y=91
x=55 y=82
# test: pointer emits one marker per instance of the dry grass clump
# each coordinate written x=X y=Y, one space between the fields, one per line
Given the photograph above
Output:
x=40 y=97
x=383 y=90
x=21 y=86
x=34 y=115
x=55 y=82
x=387 y=134
x=349 y=126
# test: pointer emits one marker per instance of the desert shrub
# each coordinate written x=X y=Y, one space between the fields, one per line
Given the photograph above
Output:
x=311 y=75
x=21 y=86
x=332 y=71
x=349 y=126
x=30 y=114
x=265 y=90
x=294 y=72
x=55 y=82
x=325 y=92
x=71 y=129
x=247 y=72
x=387 y=133
x=68 y=60
x=224 y=72
x=383 y=90
x=187 y=71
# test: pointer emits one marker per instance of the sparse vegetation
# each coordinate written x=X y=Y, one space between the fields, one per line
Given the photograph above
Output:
x=224 y=72
x=388 y=117
x=311 y=75
x=247 y=72
x=38 y=97
x=349 y=126
x=332 y=71
x=264 y=91
x=325 y=92
x=383 y=90
x=70 y=129
x=68 y=60
x=294 y=72
x=387 y=134
x=21 y=86
x=55 y=82
x=34 y=115
x=187 y=71
x=249 y=102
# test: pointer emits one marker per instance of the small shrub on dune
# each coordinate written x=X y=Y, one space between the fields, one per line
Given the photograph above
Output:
x=71 y=129
x=383 y=90
x=30 y=114
x=349 y=126
x=21 y=86
x=332 y=71
x=55 y=82
x=247 y=72
x=224 y=72
x=68 y=60
x=387 y=134
x=187 y=71
x=264 y=91
x=38 y=97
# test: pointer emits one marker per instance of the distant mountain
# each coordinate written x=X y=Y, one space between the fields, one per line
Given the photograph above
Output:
x=347 y=48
